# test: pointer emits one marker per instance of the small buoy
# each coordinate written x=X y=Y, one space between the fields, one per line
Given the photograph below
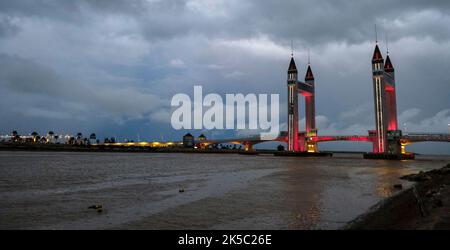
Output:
x=95 y=207
x=181 y=190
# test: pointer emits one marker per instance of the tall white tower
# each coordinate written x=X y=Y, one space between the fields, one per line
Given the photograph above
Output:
x=381 y=116
x=292 y=106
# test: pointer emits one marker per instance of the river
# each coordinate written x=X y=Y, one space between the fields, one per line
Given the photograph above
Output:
x=53 y=190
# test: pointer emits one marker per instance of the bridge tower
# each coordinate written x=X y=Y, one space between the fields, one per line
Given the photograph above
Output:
x=391 y=99
x=310 y=115
x=310 y=112
x=381 y=116
x=394 y=134
x=292 y=106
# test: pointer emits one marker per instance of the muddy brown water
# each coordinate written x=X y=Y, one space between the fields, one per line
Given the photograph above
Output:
x=53 y=190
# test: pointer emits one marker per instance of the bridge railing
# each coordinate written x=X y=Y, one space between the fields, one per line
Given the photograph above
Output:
x=418 y=137
x=425 y=134
x=343 y=138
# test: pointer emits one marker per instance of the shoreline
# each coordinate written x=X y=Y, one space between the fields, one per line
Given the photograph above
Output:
x=130 y=149
x=111 y=149
x=424 y=206
x=5 y=147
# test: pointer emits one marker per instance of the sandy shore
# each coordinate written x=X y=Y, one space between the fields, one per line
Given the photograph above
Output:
x=426 y=205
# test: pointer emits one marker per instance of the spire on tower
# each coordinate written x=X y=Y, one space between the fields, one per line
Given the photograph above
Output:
x=387 y=45
x=388 y=67
x=292 y=66
x=309 y=74
x=309 y=58
x=292 y=48
x=376 y=34
x=377 y=54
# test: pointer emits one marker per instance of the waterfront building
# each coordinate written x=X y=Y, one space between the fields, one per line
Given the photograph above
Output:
x=188 y=141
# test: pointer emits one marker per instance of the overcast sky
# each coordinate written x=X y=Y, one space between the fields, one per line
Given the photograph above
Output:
x=112 y=67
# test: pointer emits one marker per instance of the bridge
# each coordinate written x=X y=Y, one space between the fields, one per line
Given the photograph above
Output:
x=249 y=142
x=386 y=138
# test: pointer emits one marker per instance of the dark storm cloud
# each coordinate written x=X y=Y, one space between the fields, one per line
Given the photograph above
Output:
x=114 y=65
x=326 y=21
x=7 y=27
x=24 y=79
x=320 y=21
x=69 y=10
x=24 y=76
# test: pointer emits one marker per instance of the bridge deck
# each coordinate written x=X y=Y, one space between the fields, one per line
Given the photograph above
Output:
x=252 y=140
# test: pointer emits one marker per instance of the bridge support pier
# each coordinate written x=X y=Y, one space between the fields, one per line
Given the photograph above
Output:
x=310 y=143
x=394 y=147
x=403 y=148
x=311 y=146
x=393 y=142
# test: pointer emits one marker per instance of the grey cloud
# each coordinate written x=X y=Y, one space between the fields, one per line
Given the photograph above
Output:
x=309 y=22
x=7 y=26
x=25 y=76
x=27 y=79
x=438 y=122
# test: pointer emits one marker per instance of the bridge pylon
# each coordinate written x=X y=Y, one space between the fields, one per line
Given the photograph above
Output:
x=300 y=141
x=293 y=144
x=386 y=128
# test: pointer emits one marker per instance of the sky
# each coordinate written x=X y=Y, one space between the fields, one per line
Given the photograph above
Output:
x=111 y=67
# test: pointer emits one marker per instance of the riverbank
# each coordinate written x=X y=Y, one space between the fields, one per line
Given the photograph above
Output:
x=148 y=149
x=104 y=148
x=426 y=205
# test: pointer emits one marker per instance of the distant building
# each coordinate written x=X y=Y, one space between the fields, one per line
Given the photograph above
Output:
x=188 y=141
x=93 y=138
x=200 y=143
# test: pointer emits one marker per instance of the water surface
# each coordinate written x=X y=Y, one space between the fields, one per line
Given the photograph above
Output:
x=52 y=190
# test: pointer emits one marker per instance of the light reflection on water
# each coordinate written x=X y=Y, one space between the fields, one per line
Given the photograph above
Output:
x=46 y=190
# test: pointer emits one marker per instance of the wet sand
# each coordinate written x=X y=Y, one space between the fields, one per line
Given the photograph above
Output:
x=425 y=206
